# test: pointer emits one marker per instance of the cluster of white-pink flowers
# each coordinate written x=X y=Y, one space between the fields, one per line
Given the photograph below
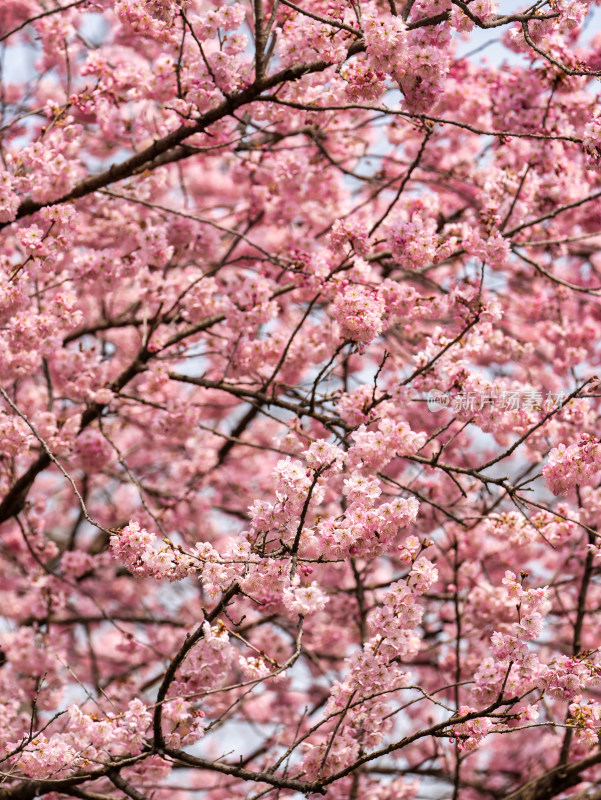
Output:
x=585 y=717
x=415 y=241
x=15 y=436
x=566 y=676
x=386 y=40
x=304 y=600
x=141 y=552
x=89 y=738
x=359 y=311
x=575 y=465
x=374 y=449
x=469 y=734
x=9 y=199
x=591 y=141
x=46 y=756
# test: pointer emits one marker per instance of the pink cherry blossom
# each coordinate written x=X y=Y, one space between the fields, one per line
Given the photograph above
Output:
x=300 y=472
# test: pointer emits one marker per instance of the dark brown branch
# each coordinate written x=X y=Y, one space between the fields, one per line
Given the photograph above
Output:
x=501 y=19
x=40 y=16
x=404 y=182
x=320 y=18
x=421 y=117
x=241 y=391
x=548 y=57
x=125 y=169
x=552 y=214
x=125 y=786
x=176 y=662
x=279 y=781
x=434 y=730
x=259 y=39
x=555 y=781
x=29 y=790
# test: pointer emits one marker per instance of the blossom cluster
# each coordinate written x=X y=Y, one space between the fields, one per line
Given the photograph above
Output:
x=242 y=244
x=574 y=465
x=592 y=142
x=359 y=312
x=140 y=552
x=372 y=449
x=88 y=739
x=415 y=242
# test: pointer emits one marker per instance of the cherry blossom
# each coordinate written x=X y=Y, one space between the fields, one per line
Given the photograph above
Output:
x=300 y=472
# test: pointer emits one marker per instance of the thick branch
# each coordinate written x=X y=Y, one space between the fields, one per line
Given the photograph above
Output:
x=555 y=781
x=176 y=662
x=118 y=172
